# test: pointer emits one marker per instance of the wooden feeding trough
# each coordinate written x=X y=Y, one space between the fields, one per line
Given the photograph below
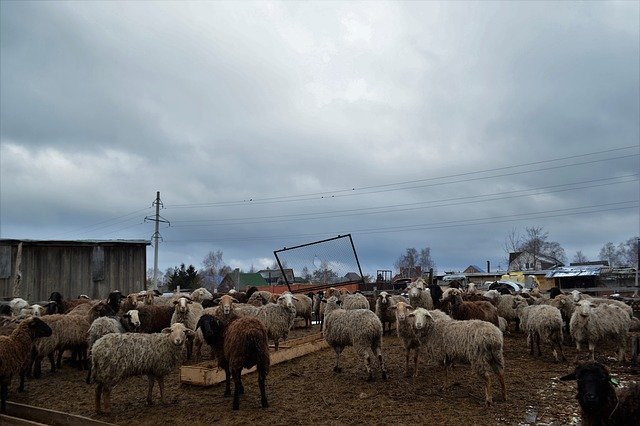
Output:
x=207 y=374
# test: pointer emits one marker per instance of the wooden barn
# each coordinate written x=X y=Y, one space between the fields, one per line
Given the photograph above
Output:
x=32 y=269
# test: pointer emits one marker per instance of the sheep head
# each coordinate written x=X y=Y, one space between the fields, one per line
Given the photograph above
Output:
x=422 y=318
x=402 y=310
x=594 y=385
x=178 y=333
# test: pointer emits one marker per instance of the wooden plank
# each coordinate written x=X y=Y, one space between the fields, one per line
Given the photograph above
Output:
x=15 y=421
x=207 y=374
x=50 y=417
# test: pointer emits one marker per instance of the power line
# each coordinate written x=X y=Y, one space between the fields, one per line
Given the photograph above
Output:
x=440 y=225
x=406 y=206
x=379 y=188
x=96 y=226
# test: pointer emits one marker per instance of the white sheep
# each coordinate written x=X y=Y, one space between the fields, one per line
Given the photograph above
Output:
x=118 y=356
x=474 y=342
x=407 y=335
x=419 y=294
x=188 y=312
x=304 y=307
x=384 y=308
x=360 y=328
x=592 y=324
x=542 y=322
x=354 y=301
x=278 y=317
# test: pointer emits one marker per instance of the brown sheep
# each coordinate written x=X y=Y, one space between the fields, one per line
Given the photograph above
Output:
x=154 y=318
x=461 y=310
x=15 y=350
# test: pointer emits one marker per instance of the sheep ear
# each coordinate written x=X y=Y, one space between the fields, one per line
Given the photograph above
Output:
x=295 y=298
x=166 y=330
x=233 y=299
x=411 y=314
x=571 y=376
x=323 y=300
x=175 y=302
x=190 y=334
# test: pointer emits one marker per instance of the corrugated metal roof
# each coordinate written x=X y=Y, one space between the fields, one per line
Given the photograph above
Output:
x=72 y=242
x=575 y=271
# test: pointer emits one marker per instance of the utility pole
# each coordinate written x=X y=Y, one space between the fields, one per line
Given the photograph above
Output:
x=156 y=236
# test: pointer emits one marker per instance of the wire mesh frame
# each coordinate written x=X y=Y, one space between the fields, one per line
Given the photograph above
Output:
x=284 y=267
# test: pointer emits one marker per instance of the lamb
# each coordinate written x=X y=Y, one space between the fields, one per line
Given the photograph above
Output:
x=591 y=324
x=188 y=313
x=406 y=334
x=384 y=308
x=462 y=310
x=474 y=342
x=542 y=321
x=360 y=328
x=15 y=350
x=599 y=402
x=118 y=356
x=303 y=305
x=420 y=295
x=34 y=310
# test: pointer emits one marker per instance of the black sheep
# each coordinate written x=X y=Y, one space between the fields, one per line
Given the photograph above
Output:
x=598 y=399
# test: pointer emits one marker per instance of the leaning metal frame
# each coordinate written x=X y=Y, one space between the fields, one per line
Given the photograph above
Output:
x=320 y=286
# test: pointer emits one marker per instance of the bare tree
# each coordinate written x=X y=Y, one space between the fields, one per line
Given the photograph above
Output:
x=535 y=242
x=580 y=257
x=609 y=253
x=408 y=263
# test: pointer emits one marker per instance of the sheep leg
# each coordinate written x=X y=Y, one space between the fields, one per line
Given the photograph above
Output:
x=262 y=379
x=416 y=356
x=227 y=381
x=88 y=374
x=383 y=371
x=161 y=386
x=150 y=390
x=237 y=380
x=59 y=359
x=487 y=388
x=592 y=350
x=337 y=368
x=406 y=368
x=503 y=388
x=530 y=343
x=538 y=343
x=621 y=354
x=189 y=348
x=367 y=364
x=107 y=399
x=98 y=398
x=4 y=393
x=276 y=344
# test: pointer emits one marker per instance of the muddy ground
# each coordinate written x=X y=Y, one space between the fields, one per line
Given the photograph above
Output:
x=307 y=391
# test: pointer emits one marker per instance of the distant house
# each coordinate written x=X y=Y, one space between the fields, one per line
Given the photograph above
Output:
x=473 y=269
x=33 y=269
x=351 y=277
x=525 y=261
x=240 y=281
x=274 y=276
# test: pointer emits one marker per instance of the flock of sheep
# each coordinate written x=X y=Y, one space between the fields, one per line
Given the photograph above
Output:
x=142 y=334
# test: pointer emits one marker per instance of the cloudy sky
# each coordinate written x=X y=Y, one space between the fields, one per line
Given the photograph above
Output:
x=273 y=124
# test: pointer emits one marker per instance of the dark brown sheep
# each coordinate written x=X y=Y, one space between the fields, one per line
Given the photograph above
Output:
x=598 y=399
x=462 y=310
x=245 y=346
x=154 y=318
x=15 y=350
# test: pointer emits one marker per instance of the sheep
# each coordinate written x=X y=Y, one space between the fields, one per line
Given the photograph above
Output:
x=278 y=317
x=360 y=328
x=599 y=402
x=260 y=298
x=503 y=325
x=354 y=301
x=303 y=305
x=506 y=305
x=591 y=324
x=154 y=318
x=565 y=303
x=420 y=295
x=245 y=345
x=17 y=304
x=384 y=308
x=32 y=311
x=462 y=310
x=118 y=356
x=407 y=335
x=318 y=307
x=14 y=352
x=542 y=321
x=101 y=327
x=474 y=342
x=65 y=306
x=188 y=313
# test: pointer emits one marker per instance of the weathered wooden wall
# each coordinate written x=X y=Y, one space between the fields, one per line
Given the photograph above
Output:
x=74 y=268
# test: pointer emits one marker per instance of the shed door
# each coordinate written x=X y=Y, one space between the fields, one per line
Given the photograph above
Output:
x=5 y=261
x=97 y=264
